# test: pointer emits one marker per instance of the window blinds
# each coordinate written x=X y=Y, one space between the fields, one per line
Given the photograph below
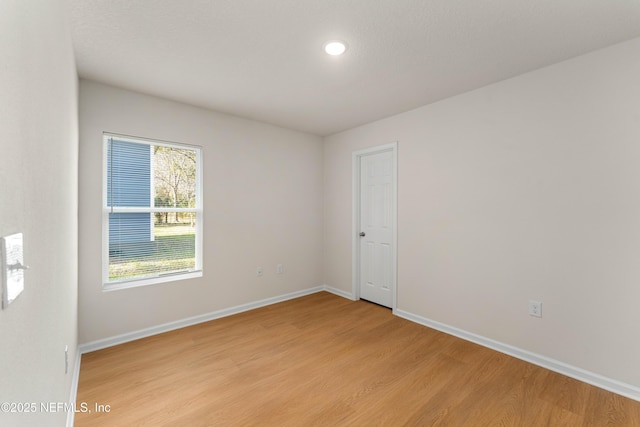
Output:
x=152 y=209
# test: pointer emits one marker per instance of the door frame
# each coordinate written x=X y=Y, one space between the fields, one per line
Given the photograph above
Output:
x=356 y=158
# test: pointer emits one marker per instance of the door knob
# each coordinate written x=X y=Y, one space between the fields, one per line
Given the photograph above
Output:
x=362 y=234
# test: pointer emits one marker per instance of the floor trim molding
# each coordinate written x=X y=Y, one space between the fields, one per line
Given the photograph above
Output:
x=73 y=395
x=614 y=386
x=597 y=380
x=166 y=327
x=339 y=292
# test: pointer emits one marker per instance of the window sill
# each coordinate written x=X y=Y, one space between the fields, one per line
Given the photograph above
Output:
x=116 y=286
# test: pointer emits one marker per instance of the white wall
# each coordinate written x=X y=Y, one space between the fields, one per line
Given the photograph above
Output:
x=262 y=202
x=525 y=189
x=38 y=197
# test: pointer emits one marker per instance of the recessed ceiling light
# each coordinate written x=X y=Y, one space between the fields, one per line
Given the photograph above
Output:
x=335 y=47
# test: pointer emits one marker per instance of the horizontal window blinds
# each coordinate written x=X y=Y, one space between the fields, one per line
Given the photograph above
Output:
x=152 y=209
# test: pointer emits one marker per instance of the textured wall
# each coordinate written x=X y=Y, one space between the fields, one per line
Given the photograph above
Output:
x=525 y=189
x=262 y=207
x=38 y=197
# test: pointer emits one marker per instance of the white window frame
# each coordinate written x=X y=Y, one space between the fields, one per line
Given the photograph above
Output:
x=198 y=210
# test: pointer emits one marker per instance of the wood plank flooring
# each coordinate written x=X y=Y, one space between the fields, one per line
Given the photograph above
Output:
x=323 y=360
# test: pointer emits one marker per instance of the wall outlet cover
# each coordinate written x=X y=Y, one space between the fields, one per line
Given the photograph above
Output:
x=535 y=308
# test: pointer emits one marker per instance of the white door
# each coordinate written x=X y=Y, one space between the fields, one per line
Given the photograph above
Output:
x=376 y=228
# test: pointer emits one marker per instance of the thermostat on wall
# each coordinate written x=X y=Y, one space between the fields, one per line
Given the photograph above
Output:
x=12 y=264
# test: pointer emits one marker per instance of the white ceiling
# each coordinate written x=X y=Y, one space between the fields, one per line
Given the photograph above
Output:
x=263 y=59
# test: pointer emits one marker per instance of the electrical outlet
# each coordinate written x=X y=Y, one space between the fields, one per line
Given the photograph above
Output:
x=535 y=308
x=259 y=272
x=279 y=269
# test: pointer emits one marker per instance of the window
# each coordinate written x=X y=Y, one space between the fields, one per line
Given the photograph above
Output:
x=152 y=212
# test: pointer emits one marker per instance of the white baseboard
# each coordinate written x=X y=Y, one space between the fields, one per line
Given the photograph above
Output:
x=339 y=292
x=74 y=388
x=594 y=379
x=614 y=386
x=166 y=327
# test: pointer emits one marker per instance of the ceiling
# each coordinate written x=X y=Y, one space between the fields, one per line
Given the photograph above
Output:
x=263 y=59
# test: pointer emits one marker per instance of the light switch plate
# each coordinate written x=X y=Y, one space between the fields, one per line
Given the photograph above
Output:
x=12 y=265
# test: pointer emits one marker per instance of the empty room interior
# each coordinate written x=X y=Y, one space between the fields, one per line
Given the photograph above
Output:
x=407 y=212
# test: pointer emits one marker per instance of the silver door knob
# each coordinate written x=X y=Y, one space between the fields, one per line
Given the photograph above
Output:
x=362 y=234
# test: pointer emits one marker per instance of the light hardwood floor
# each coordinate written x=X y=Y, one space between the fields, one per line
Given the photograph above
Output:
x=323 y=360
